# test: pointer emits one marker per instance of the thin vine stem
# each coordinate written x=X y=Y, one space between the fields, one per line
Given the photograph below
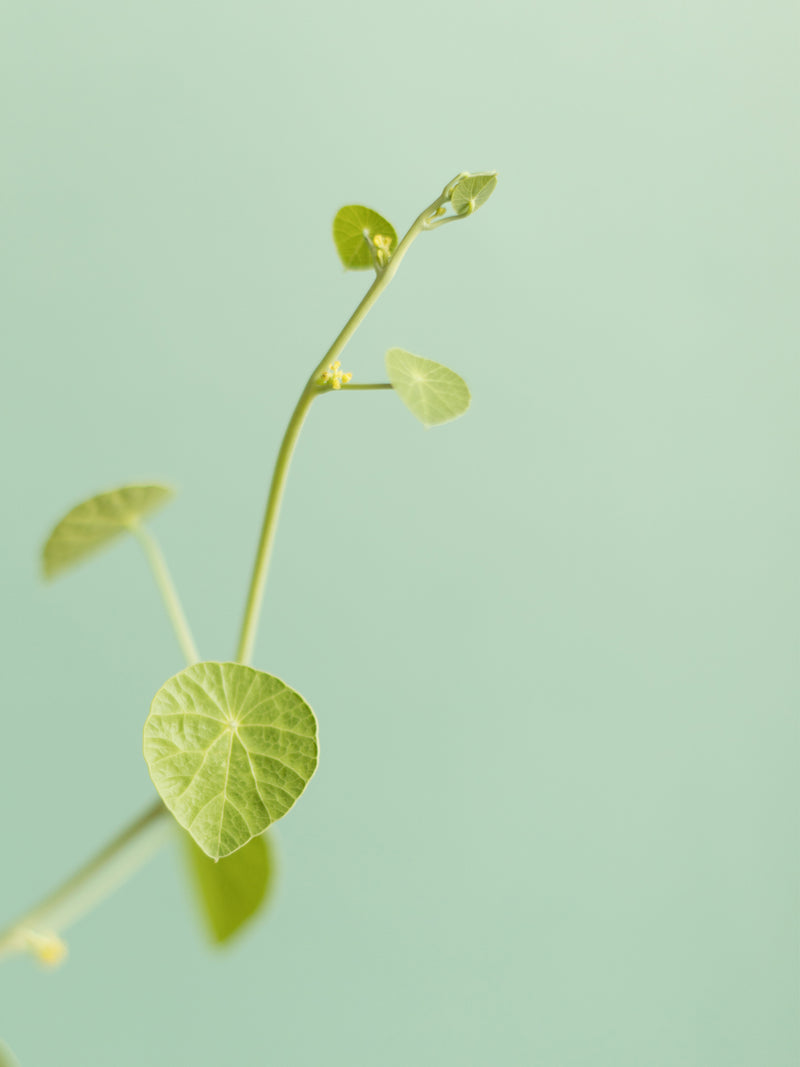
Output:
x=90 y=885
x=266 y=541
x=168 y=591
x=269 y=525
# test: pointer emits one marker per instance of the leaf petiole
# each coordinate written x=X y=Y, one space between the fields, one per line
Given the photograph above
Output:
x=362 y=385
x=167 y=589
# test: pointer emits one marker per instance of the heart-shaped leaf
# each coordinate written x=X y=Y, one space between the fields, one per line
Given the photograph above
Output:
x=229 y=749
x=360 y=233
x=472 y=192
x=231 y=890
x=94 y=523
x=432 y=392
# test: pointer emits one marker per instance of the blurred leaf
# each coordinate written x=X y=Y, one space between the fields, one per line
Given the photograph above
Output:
x=432 y=392
x=94 y=523
x=354 y=227
x=233 y=889
x=229 y=749
x=472 y=192
x=7 y=1058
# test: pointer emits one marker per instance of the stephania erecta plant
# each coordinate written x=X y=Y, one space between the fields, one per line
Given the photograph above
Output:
x=230 y=749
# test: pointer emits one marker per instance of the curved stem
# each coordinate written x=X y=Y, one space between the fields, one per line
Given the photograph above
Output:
x=269 y=525
x=377 y=287
x=96 y=880
x=263 y=552
x=168 y=592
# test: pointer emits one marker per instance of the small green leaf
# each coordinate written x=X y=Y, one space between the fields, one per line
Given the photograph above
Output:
x=229 y=749
x=472 y=192
x=231 y=890
x=354 y=230
x=432 y=392
x=96 y=522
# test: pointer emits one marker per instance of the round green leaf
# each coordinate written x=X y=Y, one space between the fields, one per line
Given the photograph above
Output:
x=472 y=192
x=233 y=889
x=229 y=749
x=354 y=228
x=432 y=392
x=96 y=522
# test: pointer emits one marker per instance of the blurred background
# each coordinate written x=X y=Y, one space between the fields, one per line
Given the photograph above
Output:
x=552 y=647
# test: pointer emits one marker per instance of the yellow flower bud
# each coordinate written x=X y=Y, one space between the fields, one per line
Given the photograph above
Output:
x=48 y=948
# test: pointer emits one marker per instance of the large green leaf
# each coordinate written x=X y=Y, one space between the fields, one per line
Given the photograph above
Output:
x=233 y=889
x=472 y=191
x=432 y=392
x=97 y=521
x=230 y=749
x=354 y=229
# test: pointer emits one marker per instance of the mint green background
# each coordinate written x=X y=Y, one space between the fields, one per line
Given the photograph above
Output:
x=552 y=647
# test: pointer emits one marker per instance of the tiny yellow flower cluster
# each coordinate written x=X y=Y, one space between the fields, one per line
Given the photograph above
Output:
x=383 y=246
x=49 y=949
x=334 y=377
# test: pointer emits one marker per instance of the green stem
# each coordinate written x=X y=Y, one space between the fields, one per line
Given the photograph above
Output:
x=263 y=552
x=367 y=385
x=435 y=223
x=377 y=287
x=269 y=525
x=96 y=880
x=168 y=592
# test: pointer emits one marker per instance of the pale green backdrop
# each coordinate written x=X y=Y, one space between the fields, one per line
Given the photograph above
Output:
x=552 y=647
